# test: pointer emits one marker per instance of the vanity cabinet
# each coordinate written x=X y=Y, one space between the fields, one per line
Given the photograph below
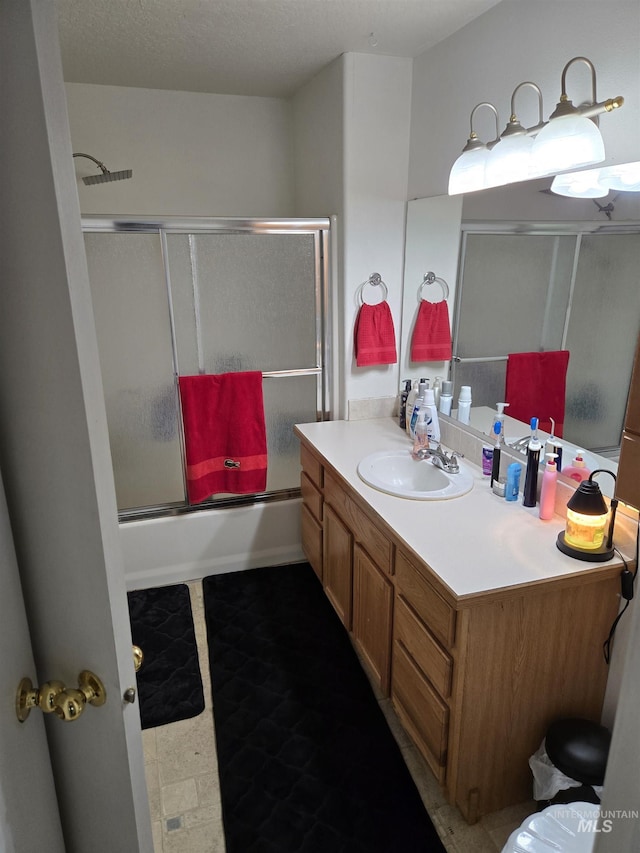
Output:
x=475 y=679
x=628 y=482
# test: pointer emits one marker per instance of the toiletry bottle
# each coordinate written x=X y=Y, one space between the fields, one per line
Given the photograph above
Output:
x=548 y=490
x=487 y=460
x=495 y=459
x=433 y=424
x=498 y=417
x=464 y=404
x=554 y=445
x=403 y=404
x=411 y=401
x=422 y=387
x=421 y=432
x=578 y=471
x=513 y=482
x=529 y=493
x=437 y=390
x=446 y=397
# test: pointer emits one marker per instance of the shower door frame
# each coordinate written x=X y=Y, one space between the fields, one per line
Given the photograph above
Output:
x=320 y=229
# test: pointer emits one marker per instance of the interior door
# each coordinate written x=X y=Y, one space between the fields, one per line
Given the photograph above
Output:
x=26 y=780
x=54 y=450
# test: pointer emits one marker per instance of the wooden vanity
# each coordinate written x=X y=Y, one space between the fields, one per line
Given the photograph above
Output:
x=478 y=658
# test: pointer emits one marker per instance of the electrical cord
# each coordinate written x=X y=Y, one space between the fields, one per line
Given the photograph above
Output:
x=627 y=584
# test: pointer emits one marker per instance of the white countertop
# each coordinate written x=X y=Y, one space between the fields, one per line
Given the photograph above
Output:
x=474 y=543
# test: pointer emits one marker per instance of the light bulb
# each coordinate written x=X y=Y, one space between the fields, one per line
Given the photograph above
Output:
x=567 y=142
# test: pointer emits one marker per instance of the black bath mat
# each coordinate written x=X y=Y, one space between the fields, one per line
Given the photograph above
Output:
x=307 y=762
x=169 y=683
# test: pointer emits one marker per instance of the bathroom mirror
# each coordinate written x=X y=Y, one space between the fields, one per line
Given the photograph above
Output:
x=440 y=232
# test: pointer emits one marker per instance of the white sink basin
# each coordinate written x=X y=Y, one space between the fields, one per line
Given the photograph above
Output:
x=398 y=473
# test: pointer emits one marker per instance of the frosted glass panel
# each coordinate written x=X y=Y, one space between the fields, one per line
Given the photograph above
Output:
x=254 y=299
x=487 y=381
x=134 y=342
x=602 y=334
x=514 y=293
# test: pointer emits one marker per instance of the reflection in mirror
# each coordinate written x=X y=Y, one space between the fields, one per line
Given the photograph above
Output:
x=537 y=271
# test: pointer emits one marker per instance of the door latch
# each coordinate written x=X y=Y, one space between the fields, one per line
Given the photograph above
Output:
x=67 y=703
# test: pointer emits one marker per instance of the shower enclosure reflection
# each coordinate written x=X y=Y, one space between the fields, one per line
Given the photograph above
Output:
x=533 y=271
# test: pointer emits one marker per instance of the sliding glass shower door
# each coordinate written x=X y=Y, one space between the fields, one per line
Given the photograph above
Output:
x=210 y=296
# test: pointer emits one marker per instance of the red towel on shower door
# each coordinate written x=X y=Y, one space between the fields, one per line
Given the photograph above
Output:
x=224 y=433
x=374 y=336
x=431 y=338
x=535 y=387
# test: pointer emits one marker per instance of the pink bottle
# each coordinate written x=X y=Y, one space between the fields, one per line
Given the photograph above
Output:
x=578 y=471
x=548 y=490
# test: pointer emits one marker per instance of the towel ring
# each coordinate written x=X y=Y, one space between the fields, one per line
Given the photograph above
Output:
x=430 y=278
x=375 y=280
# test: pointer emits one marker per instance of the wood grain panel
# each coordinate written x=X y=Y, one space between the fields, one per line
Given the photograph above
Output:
x=419 y=643
x=372 y=616
x=628 y=482
x=311 y=496
x=528 y=662
x=311 y=533
x=311 y=465
x=337 y=565
x=425 y=600
x=418 y=702
x=365 y=531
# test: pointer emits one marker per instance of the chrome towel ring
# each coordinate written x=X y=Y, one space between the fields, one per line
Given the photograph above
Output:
x=375 y=280
x=431 y=278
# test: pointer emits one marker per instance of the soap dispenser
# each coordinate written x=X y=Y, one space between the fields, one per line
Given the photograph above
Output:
x=578 y=470
x=554 y=445
x=548 y=490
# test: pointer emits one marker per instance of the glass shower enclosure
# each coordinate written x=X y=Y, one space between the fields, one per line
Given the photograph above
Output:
x=182 y=297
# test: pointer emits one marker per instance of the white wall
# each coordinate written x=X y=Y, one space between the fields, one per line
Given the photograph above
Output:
x=512 y=42
x=192 y=154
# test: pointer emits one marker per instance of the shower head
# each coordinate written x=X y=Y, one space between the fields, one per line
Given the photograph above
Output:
x=105 y=175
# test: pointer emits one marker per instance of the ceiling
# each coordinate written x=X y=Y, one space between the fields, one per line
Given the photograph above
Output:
x=267 y=48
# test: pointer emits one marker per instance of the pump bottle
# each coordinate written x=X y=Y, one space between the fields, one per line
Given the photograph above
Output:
x=578 y=471
x=548 y=490
x=422 y=387
x=404 y=395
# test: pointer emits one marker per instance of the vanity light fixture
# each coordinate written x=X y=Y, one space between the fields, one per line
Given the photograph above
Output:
x=569 y=140
x=596 y=183
x=468 y=172
x=586 y=536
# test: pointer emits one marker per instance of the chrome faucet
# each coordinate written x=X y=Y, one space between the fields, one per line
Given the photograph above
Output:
x=439 y=458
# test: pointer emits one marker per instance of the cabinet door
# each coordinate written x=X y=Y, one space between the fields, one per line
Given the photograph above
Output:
x=311 y=540
x=337 y=565
x=372 y=615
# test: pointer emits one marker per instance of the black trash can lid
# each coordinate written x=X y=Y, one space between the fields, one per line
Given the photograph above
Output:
x=579 y=749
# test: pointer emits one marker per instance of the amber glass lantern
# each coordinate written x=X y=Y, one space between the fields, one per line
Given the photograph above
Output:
x=588 y=534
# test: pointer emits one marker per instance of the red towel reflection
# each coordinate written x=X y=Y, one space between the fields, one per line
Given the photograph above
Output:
x=535 y=387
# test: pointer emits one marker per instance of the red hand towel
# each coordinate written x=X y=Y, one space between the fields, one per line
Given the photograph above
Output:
x=225 y=443
x=535 y=387
x=374 y=335
x=431 y=339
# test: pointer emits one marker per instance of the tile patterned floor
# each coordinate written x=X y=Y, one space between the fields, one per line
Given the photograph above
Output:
x=184 y=794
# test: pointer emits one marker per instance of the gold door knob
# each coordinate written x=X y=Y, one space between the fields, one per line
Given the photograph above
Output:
x=67 y=703
x=138 y=657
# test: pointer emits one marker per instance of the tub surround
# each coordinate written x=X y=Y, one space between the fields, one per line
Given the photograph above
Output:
x=464 y=611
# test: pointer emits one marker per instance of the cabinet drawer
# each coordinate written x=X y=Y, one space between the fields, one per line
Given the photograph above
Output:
x=428 y=654
x=311 y=496
x=312 y=540
x=425 y=715
x=365 y=531
x=311 y=466
x=434 y=611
